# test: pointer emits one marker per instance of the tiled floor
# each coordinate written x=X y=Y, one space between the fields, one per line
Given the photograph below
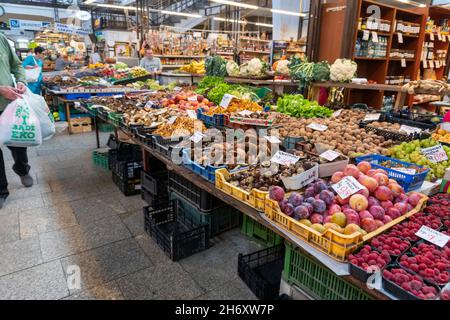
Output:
x=75 y=221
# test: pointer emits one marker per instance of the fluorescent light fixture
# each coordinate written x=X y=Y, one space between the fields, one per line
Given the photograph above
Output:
x=291 y=13
x=236 y=4
x=193 y=15
x=421 y=5
x=264 y=25
x=229 y=20
x=89 y=1
x=113 y=6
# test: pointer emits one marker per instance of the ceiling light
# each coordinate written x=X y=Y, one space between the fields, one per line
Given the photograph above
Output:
x=181 y=14
x=113 y=6
x=230 y=20
x=89 y=1
x=291 y=13
x=421 y=5
x=264 y=25
x=236 y=4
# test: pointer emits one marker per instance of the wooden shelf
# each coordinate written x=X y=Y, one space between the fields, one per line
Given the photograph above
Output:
x=380 y=33
x=400 y=59
x=368 y=58
x=255 y=39
x=255 y=52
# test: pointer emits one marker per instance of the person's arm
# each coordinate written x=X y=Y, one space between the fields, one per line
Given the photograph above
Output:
x=16 y=67
x=160 y=67
x=142 y=63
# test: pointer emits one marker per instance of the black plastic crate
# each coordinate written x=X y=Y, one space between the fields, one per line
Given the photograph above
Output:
x=156 y=183
x=151 y=200
x=144 y=135
x=166 y=146
x=262 y=270
x=200 y=198
x=127 y=169
x=174 y=232
x=129 y=187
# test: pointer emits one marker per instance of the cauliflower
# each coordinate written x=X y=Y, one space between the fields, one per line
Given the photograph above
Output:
x=232 y=68
x=255 y=67
x=343 y=70
x=243 y=70
x=282 y=67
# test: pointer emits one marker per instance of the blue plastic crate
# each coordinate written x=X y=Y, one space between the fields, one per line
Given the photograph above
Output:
x=62 y=115
x=409 y=182
x=214 y=120
x=208 y=172
x=78 y=95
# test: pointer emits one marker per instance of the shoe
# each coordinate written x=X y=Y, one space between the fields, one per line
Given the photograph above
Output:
x=27 y=181
x=2 y=202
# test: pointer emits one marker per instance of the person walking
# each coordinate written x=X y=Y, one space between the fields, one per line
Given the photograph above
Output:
x=32 y=62
x=10 y=64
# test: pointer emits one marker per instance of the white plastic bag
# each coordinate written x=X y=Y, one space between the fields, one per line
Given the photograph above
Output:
x=19 y=125
x=32 y=75
x=43 y=113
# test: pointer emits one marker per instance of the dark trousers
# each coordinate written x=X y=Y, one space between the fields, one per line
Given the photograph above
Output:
x=20 y=167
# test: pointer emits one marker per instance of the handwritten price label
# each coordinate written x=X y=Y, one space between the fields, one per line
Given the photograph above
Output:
x=192 y=98
x=405 y=170
x=191 y=114
x=337 y=113
x=435 y=154
x=366 y=35
x=172 y=120
x=284 y=158
x=196 y=137
x=177 y=89
x=149 y=104
x=372 y=117
x=226 y=100
x=433 y=236
x=330 y=155
x=347 y=187
x=403 y=63
x=245 y=113
x=410 y=130
x=374 y=37
x=272 y=139
x=400 y=37
x=318 y=127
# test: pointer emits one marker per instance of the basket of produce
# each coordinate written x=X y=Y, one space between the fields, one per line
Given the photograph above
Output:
x=212 y=118
x=435 y=87
x=103 y=113
x=115 y=118
x=366 y=261
x=258 y=119
x=442 y=136
x=341 y=231
x=408 y=175
x=206 y=171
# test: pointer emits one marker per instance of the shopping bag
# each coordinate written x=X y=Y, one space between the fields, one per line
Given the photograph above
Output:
x=43 y=113
x=32 y=75
x=19 y=125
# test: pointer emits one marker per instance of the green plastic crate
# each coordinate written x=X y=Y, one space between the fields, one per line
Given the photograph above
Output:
x=115 y=118
x=105 y=127
x=260 y=233
x=101 y=159
x=316 y=279
x=218 y=220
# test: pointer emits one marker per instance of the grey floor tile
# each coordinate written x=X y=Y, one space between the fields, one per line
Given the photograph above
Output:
x=109 y=262
x=134 y=221
x=152 y=250
x=159 y=282
x=23 y=193
x=106 y=291
x=9 y=228
x=43 y=282
x=72 y=240
x=63 y=197
x=42 y=220
x=96 y=208
x=20 y=205
x=133 y=203
x=18 y=255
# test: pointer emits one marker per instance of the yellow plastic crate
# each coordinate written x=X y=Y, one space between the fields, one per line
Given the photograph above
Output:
x=255 y=198
x=333 y=243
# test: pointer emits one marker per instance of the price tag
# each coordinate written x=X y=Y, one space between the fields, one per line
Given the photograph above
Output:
x=149 y=104
x=425 y=64
x=403 y=62
x=118 y=96
x=196 y=137
x=65 y=78
x=245 y=113
x=177 y=89
x=337 y=113
x=374 y=37
x=431 y=63
x=77 y=104
x=435 y=154
x=172 y=120
x=433 y=236
x=226 y=100
x=192 y=98
x=284 y=158
x=439 y=36
x=197 y=34
x=330 y=155
x=372 y=117
x=366 y=35
x=318 y=127
x=375 y=25
x=410 y=130
x=405 y=170
x=444 y=39
x=191 y=114
x=347 y=187
x=272 y=139
x=400 y=37
x=432 y=36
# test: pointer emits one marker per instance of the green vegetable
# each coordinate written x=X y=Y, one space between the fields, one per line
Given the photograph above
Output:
x=321 y=71
x=208 y=83
x=299 y=107
x=216 y=94
x=303 y=71
x=216 y=66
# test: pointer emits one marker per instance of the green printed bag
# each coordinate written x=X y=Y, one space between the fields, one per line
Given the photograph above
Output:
x=20 y=126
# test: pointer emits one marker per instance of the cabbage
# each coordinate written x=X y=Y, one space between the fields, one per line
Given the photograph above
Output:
x=232 y=69
x=255 y=67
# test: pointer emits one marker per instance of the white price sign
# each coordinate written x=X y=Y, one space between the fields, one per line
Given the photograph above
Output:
x=410 y=130
x=272 y=139
x=226 y=100
x=149 y=104
x=374 y=37
x=245 y=113
x=366 y=35
x=433 y=236
x=372 y=117
x=435 y=154
x=439 y=36
x=403 y=63
x=337 y=113
x=191 y=114
x=432 y=36
x=172 y=120
x=347 y=187
x=400 y=37
x=330 y=155
x=318 y=127
x=405 y=170
x=431 y=63
x=284 y=158
x=192 y=98
x=425 y=64
x=196 y=137
x=177 y=89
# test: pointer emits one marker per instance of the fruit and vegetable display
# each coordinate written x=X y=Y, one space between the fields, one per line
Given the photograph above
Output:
x=442 y=135
x=151 y=118
x=182 y=126
x=388 y=126
x=395 y=165
x=411 y=152
x=61 y=81
x=307 y=72
x=196 y=67
x=437 y=87
x=299 y=107
x=343 y=70
x=187 y=100
x=216 y=66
